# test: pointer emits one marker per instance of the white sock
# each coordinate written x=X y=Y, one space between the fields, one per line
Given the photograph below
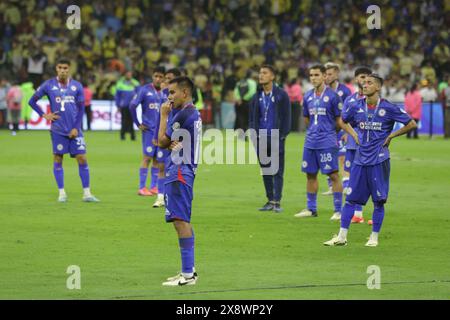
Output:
x=62 y=192
x=160 y=196
x=358 y=214
x=342 y=233
x=87 y=192
x=374 y=236
x=188 y=275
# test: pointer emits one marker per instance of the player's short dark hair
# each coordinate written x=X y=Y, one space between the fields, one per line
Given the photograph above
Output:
x=159 y=69
x=320 y=67
x=63 y=61
x=270 y=67
x=175 y=71
x=362 y=70
x=183 y=82
x=377 y=77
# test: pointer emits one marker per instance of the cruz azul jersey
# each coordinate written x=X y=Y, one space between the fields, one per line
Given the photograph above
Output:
x=66 y=100
x=348 y=103
x=150 y=100
x=322 y=112
x=187 y=124
x=164 y=98
x=343 y=91
x=374 y=126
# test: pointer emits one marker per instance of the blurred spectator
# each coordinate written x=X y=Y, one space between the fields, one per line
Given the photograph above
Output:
x=243 y=92
x=27 y=90
x=446 y=109
x=413 y=106
x=14 y=100
x=124 y=91
x=87 y=104
x=294 y=91
x=4 y=88
x=428 y=92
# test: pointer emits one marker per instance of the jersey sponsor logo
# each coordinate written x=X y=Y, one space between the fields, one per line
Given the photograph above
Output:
x=382 y=112
x=304 y=164
x=59 y=147
x=320 y=111
x=370 y=126
x=326 y=99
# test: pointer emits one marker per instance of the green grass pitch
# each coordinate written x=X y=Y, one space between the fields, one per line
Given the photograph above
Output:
x=125 y=249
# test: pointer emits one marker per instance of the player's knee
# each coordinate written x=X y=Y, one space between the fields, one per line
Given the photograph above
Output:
x=81 y=159
x=334 y=176
x=378 y=204
x=311 y=176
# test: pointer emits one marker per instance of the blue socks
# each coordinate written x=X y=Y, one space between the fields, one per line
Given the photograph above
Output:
x=154 y=181
x=377 y=217
x=58 y=172
x=337 y=200
x=187 y=254
x=142 y=177
x=347 y=215
x=311 y=202
x=161 y=185
x=83 y=170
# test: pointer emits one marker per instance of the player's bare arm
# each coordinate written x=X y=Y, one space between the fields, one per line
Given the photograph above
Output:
x=347 y=128
x=51 y=116
x=163 y=140
x=410 y=126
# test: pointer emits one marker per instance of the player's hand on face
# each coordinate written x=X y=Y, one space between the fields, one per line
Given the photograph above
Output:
x=51 y=116
x=143 y=127
x=166 y=107
x=73 y=133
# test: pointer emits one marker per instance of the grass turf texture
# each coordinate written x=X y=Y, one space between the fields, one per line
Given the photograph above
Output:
x=125 y=249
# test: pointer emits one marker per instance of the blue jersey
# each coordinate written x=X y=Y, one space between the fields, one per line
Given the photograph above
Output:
x=164 y=97
x=150 y=100
x=374 y=126
x=343 y=91
x=322 y=112
x=348 y=103
x=66 y=100
x=184 y=121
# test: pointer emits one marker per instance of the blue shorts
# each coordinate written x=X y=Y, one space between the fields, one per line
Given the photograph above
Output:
x=325 y=159
x=349 y=157
x=151 y=150
x=63 y=144
x=366 y=181
x=178 y=201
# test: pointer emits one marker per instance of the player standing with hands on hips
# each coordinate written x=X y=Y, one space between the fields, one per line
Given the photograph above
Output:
x=369 y=176
x=67 y=106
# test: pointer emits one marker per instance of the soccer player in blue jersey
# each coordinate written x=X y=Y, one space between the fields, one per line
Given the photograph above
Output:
x=67 y=106
x=369 y=176
x=332 y=80
x=350 y=144
x=182 y=134
x=162 y=154
x=149 y=97
x=322 y=113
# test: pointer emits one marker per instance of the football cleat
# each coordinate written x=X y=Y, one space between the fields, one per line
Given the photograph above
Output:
x=267 y=207
x=90 y=198
x=144 y=192
x=180 y=280
x=329 y=192
x=154 y=191
x=335 y=241
x=159 y=203
x=306 y=213
x=180 y=275
x=371 y=243
x=356 y=219
x=62 y=198
x=370 y=222
x=277 y=208
x=336 y=216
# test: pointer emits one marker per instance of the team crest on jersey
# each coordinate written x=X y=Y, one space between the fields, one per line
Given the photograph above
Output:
x=382 y=112
x=176 y=126
x=347 y=163
x=73 y=88
x=349 y=190
x=160 y=154
x=149 y=149
x=340 y=105
x=361 y=125
x=59 y=147
x=304 y=164
x=58 y=99
x=340 y=93
x=326 y=99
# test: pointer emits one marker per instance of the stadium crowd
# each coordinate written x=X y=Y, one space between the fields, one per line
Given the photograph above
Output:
x=220 y=42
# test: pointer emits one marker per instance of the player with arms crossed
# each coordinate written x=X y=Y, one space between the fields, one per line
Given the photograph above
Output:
x=67 y=107
x=150 y=98
x=369 y=176
x=182 y=133
x=322 y=113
